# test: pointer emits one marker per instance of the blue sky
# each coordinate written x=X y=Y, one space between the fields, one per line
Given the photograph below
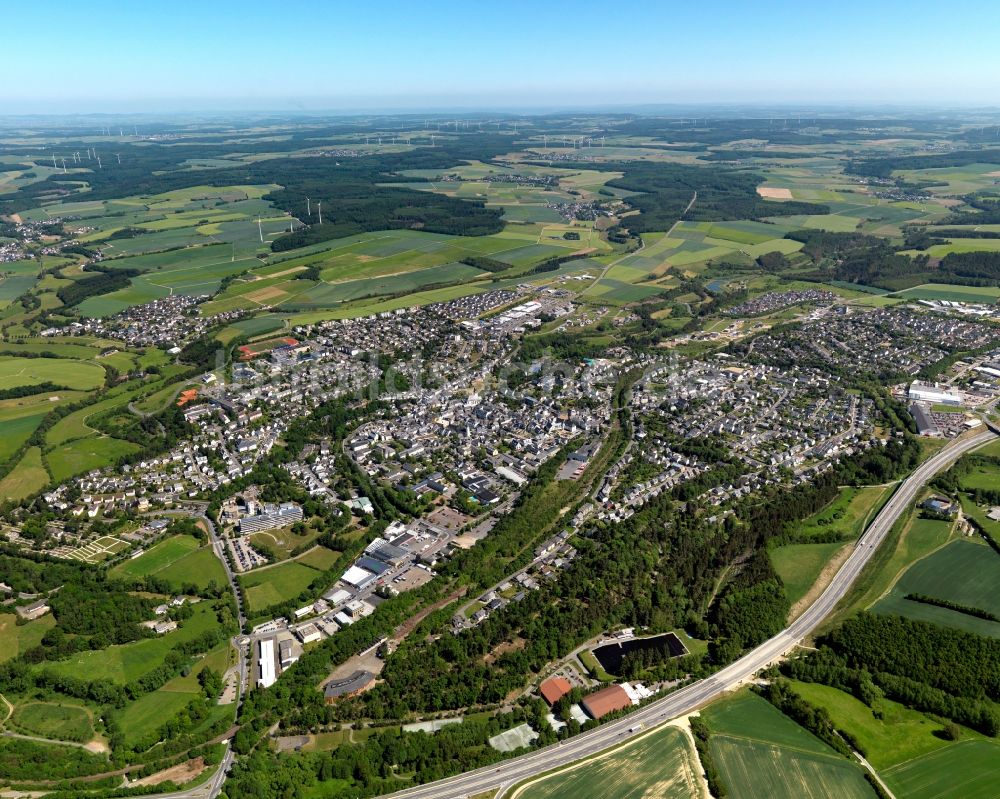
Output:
x=133 y=55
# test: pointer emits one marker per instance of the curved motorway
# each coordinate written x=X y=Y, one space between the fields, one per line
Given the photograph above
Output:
x=687 y=699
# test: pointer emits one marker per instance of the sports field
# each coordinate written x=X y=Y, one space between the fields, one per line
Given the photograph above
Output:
x=662 y=764
x=760 y=752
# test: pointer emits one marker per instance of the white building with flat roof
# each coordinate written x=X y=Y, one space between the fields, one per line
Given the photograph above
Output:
x=924 y=392
x=266 y=662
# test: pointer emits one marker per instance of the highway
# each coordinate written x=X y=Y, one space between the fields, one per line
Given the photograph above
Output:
x=688 y=699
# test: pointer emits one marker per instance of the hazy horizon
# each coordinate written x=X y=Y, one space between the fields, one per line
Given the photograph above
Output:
x=395 y=57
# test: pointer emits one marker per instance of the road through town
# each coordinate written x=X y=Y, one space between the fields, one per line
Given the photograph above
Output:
x=687 y=699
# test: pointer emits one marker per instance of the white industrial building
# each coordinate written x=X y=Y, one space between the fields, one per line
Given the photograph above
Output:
x=923 y=392
x=266 y=662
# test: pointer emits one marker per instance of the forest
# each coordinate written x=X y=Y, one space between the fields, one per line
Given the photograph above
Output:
x=884 y=167
x=666 y=189
x=934 y=669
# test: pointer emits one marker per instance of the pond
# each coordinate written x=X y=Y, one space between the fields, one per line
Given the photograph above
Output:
x=610 y=656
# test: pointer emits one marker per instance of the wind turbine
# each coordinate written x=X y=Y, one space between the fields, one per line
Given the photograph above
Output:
x=119 y=158
x=99 y=166
x=260 y=230
x=319 y=208
x=308 y=208
x=54 y=161
x=64 y=165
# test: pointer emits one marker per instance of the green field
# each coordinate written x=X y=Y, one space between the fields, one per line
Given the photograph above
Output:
x=899 y=735
x=662 y=764
x=15 y=638
x=985 y=476
x=26 y=478
x=964 y=572
x=967 y=770
x=911 y=539
x=82 y=455
x=127 y=662
x=760 y=752
x=276 y=584
x=141 y=719
x=52 y=720
x=14 y=432
x=181 y=560
x=800 y=564
x=955 y=293
x=318 y=558
x=78 y=375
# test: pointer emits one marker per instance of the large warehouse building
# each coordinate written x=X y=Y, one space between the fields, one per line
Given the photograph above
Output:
x=925 y=392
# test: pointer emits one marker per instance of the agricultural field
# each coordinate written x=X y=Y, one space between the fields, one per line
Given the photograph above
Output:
x=389 y=262
x=761 y=752
x=965 y=572
x=15 y=372
x=954 y=293
x=275 y=584
x=27 y=477
x=180 y=560
x=967 y=769
x=662 y=764
x=911 y=539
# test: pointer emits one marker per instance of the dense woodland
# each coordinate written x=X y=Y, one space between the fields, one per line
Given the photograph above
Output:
x=934 y=669
x=665 y=190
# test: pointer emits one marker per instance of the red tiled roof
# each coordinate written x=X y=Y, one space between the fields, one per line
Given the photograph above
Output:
x=555 y=689
x=605 y=701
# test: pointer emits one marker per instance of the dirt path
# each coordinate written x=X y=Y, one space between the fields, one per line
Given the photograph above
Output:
x=179 y=774
x=10 y=709
x=411 y=623
x=825 y=576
